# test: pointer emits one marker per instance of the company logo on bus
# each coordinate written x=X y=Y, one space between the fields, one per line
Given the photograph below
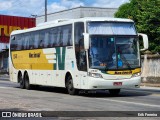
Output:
x=34 y=55
x=123 y=72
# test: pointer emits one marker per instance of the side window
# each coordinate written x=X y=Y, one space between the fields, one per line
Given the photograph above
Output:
x=41 y=39
x=46 y=39
x=31 y=41
x=70 y=36
x=52 y=37
x=66 y=37
x=26 y=41
x=19 y=42
x=36 y=39
x=78 y=33
x=79 y=46
x=59 y=35
x=13 y=43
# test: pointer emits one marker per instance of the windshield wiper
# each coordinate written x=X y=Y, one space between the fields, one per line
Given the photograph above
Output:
x=126 y=62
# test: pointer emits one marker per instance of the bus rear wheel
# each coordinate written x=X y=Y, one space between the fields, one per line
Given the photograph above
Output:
x=26 y=82
x=114 y=92
x=21 y=81
x=70 y=87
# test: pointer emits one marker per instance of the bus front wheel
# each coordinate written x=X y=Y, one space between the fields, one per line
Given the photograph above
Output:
x=114 y=92
x=70 y=87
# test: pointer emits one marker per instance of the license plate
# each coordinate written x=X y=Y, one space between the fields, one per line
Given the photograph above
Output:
x=117 y=83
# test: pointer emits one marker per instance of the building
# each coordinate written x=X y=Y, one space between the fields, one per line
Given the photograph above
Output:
x=7 y=25
x=78 y=12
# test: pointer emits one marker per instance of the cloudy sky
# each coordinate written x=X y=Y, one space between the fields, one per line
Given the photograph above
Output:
x=27 y=8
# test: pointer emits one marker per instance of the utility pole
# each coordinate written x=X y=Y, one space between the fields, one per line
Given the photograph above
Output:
x=45 y=10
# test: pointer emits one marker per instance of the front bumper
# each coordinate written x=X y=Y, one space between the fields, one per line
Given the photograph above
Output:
x=100 y=83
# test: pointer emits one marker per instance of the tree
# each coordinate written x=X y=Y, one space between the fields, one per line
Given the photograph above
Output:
x=146 y=14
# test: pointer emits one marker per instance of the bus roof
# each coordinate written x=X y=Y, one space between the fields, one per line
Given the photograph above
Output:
x=69 y=21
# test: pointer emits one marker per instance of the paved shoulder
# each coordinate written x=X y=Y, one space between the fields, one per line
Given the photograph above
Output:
x=4 y=77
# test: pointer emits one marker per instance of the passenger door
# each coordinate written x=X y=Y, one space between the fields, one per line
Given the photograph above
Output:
x=80 y=53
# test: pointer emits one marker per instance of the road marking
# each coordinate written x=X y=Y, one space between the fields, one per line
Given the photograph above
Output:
x=6 y=87
x=143 y=104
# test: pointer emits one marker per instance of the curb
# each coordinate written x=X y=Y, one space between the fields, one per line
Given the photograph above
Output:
x=4 y=79
x=150 y=84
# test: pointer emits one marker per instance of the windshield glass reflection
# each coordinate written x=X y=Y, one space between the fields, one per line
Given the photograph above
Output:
x=113 y=53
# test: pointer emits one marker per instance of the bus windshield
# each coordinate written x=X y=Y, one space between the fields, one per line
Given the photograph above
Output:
x=113 y=45
x=113 y=52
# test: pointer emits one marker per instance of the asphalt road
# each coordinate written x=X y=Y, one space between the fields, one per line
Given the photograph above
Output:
x=12 y=98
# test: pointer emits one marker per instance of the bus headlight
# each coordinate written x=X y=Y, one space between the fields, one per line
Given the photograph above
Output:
x=96 y=75
x=136 y=74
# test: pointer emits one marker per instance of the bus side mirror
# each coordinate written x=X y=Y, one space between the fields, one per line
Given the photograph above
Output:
x=145 y=41
x=12 y=37
x=86 y=41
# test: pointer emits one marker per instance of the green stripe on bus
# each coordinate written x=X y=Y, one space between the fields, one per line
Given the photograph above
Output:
x=60 y=58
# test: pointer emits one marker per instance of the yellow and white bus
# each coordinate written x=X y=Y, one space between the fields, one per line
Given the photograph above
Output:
x=87 y=53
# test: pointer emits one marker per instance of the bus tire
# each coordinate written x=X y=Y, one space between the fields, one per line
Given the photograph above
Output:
x=70 y=87
x=26 y=81
x=21 y=81
x=114 y=92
